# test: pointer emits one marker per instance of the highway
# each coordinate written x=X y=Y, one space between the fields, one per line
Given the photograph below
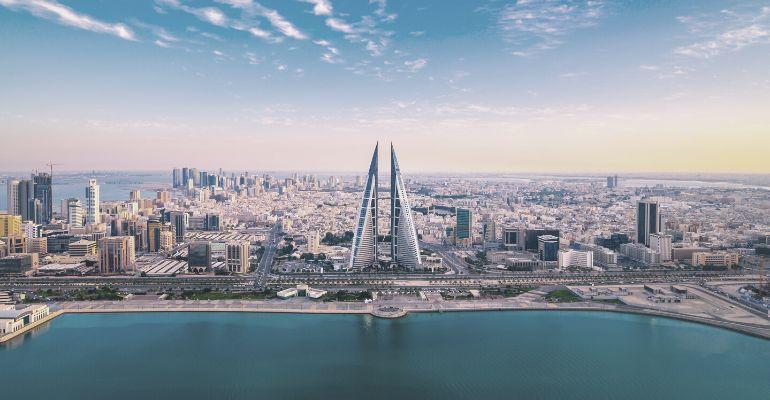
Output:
x=455 y=263
x=263 y=269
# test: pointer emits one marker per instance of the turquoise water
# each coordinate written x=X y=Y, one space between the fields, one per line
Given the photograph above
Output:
x=492 y=355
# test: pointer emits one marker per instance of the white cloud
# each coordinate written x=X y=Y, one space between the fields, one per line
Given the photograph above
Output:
x=537 y=26
x=320 y=7
x=726 y=31
x=212 y=15
x=161 y=43
x=416 y=65
x=55 y=11
x=339 y=25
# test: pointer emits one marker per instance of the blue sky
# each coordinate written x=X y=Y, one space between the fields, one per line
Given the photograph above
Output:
x=503 y=86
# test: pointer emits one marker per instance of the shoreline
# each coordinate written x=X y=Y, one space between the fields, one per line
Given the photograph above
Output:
x=755 y=331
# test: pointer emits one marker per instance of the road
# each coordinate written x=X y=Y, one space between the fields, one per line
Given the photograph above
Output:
x=263 y=269
x=455 y=263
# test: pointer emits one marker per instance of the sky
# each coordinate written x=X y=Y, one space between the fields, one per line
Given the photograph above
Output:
x=457 y=86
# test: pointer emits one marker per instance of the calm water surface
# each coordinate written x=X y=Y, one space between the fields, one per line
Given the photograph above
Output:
x=492 y=355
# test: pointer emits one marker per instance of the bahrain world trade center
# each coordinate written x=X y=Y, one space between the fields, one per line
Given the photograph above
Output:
x=404 y=247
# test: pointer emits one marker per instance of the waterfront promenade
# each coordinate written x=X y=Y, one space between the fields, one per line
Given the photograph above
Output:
x=532 y=301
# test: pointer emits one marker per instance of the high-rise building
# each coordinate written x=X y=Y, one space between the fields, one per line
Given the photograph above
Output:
x=167 y=239
x=531 y=237
x=75 y=213
x=199 y=256
x=648 y=220
x=464 y=227
x=179 y=221
x=43 y=193
x=154 y=228
x=135 y=195
x=513 y=238
x=10 y=225
x=237 y=257
x=363 y=252
x=212 y=222
x=116 y=254
x=13 y=197
x=404 y=244
x=176 y=178
x=489 y=229
x=26 y=200
x=93 y=215
x=548 y=247
x=662 y=244
x=612 y=182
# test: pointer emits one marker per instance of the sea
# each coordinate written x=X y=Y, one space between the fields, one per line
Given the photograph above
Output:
x=455 y=355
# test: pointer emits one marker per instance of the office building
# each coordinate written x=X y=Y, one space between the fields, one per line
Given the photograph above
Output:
x=10 y=225
x=531 y=238
x=489 y=229
x=176 y=177
x=647 y=220
x=12 y=197
x=75 y=213
x=93 y=214
x=26 y=200
x=179 y=221
x=463 y=232
x=212 y=222
x=662 y=244
x=363 y=252
x=612 y=182
x=513 y=238
x=16 y=244
x=199 y=256
x=716 y=259
x=82 y=248
x=404 y=245
x=44 y=194
x=154 y=227
x=167 y=240
x=237 y=258
x=39 y=245
x=641 y=254
x=576 y=259
x=548 y=247
x=19 y=264
x=116 y=255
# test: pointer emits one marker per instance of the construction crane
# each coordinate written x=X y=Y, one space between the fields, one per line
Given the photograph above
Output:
x=51 y=165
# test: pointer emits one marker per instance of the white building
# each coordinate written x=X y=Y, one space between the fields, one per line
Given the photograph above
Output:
x=576 y=258
x=314 y=242
x=13 y=197
x=75 y=214
x=662 y=244
x=12 y=320
x=92 y=203
x=238 y=257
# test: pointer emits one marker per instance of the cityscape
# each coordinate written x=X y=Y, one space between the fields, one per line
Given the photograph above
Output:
x=166 y=238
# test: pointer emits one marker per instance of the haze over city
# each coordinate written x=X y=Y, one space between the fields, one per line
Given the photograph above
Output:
x=464 y=86
x=384 y=199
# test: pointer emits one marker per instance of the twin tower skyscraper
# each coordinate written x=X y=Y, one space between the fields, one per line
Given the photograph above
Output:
x=404 y=246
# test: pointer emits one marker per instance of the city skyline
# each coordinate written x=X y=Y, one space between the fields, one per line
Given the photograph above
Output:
x=501 y=86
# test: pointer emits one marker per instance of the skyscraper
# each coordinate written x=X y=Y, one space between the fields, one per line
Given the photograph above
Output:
x=363 y=252
x=176 y=177
x=43 y=193
x=26 y=200
x=647 y=220
x=548 y=247
x=116 y=254
x=179 y=221
x=74 y=213
x=13 y=197
x=464 y=228
x=404 y=246
x=92 y=203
